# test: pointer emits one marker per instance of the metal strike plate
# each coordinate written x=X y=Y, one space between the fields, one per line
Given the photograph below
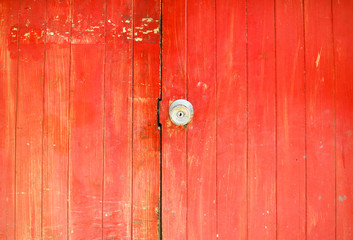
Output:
x=181 y=112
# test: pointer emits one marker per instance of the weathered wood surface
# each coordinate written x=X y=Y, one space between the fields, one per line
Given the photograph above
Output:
x=118 y=128
x=174 y=151
x=8 y=91
x=146 y=136
x=29 y=119
x=56 y=119
x=283 y=119
x=343 y=56
x=231 y=125
x=73 y=163
x=268 y=154
x=291 y=135
x=320 y=120
x=86 y=120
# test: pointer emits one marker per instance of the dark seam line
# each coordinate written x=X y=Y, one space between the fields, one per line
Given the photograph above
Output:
x=16 y=118
x=104 y=120
x=276 y=117
x=216 y=111
x=304 y=159
x=334 y=121
x=69 y=127
x=132 y=120
x=247 y=120
x=160 y=212
x=43 y=112
x=186 y=130
x=305 y=123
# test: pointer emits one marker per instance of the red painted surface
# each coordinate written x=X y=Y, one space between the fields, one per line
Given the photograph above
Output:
x=118 y=128
x=146 y=136
x=268 y=154
x=56 y=112
x=74 y=165
x=261 y=121
x=343 y=52
x=291 y=135
x=231 y=148
x=29 y=120
x=277 y=120
x=174 y=154
x=8 y=86
x=86 y=120
x=320 y=120
x=201 y=139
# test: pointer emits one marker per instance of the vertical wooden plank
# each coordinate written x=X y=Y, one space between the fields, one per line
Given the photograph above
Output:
x=56 y=112
x=173 y=137
x=201 y=65
x=320 y=120
x=86 y=120
x=343 y=37
x=290 y=120
x=29 y=130
x=9 y=11
x=118 y=118
x=231 y=119
x=262 y=123
x=146 y=136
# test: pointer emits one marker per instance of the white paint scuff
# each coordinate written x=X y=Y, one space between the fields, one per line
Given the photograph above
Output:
x=317 y=62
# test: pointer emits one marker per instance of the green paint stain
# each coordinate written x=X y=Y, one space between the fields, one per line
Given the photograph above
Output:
x=341 y=199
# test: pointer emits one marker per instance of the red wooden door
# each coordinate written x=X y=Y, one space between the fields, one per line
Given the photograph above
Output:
x=268 y=154
x=87 y=149
x=79 y=143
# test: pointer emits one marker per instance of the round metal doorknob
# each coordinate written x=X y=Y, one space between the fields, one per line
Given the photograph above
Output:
x=181 y=112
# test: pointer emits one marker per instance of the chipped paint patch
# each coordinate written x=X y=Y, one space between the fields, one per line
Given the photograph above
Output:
x=147 y=19
x=108 y=214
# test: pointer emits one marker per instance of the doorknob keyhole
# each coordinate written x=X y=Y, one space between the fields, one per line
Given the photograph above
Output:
x=181 y=112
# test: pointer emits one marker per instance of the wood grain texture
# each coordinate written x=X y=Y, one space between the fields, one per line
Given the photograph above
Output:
x=231 y=119
x=290 y=120
x=201 y=87
x=86 y=120
x=146 y=135
x=320 y=120
x=174 y=205
x=267 y=155
x=262 y=120
x=29 y=129
x=117 y=198
x=343 y=55
x=8 y=84
x=56 y=112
